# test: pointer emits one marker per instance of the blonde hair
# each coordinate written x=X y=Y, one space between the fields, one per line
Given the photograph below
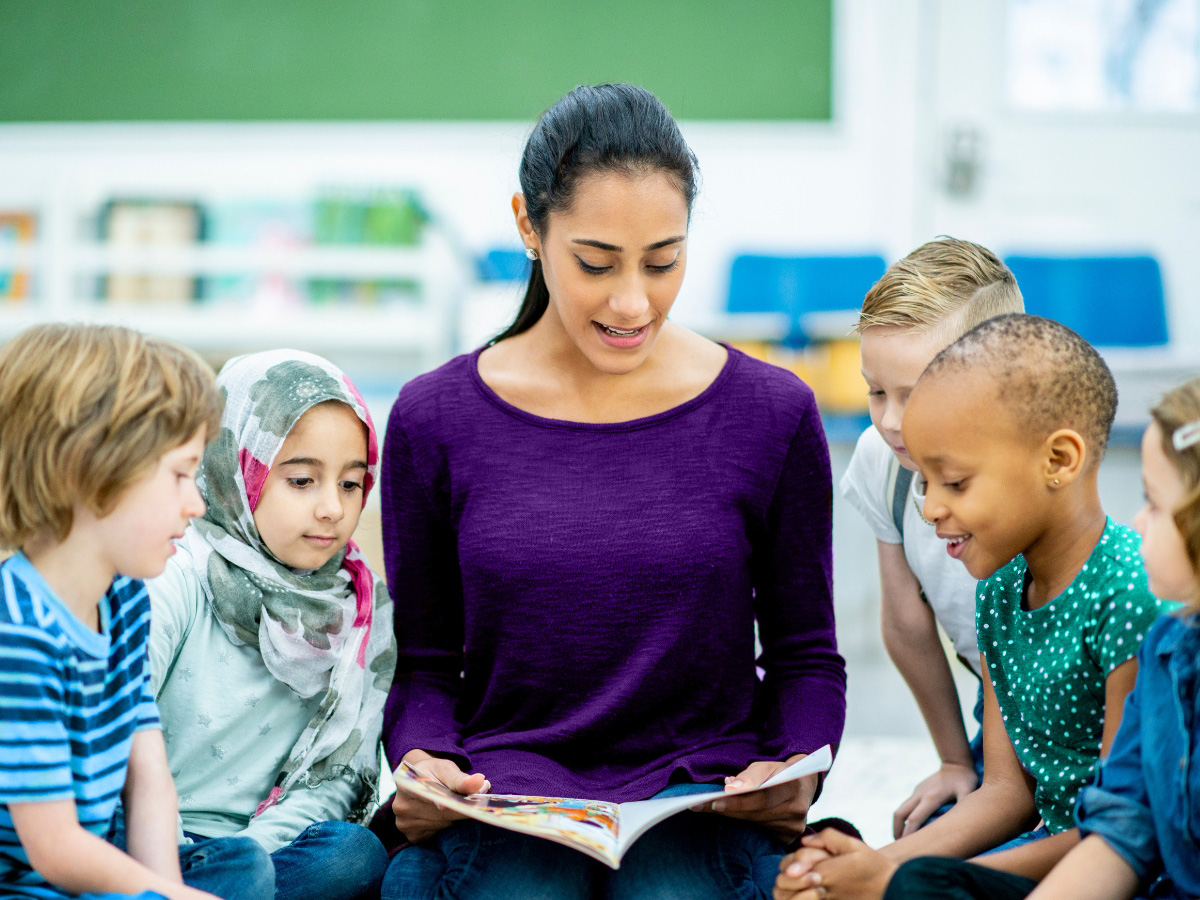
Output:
x=1178 y=408
x=84 y=411
x=948 y=285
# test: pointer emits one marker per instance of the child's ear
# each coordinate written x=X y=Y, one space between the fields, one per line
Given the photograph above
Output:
x=1065 y=458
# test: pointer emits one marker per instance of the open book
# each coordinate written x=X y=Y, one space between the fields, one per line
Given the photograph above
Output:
x=600 y=829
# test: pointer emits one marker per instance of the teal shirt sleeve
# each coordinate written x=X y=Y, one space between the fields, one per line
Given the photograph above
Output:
x=329 y=801
x=176 y=600
x=1124 y=611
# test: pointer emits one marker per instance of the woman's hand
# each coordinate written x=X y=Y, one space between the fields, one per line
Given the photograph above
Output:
x=950 y=783
x=782 y=809
x=419 y=819
x=833 y=866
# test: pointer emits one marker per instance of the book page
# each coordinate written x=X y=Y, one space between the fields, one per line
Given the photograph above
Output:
x=637 y=816
x=587 y=825
x=602 y=830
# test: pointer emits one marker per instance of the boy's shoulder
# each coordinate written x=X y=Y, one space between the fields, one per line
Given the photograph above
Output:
x=29 y=617
x=29 y=607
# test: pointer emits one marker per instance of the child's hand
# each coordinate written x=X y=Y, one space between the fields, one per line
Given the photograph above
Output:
x=950 y=783
x=419 y=819
x=793 y=869
x=782 y=809
x=851 y=871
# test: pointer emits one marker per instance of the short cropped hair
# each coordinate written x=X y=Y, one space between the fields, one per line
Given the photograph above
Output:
x=1178 y=408
x=1045 y=374
x=84 y=411
x=946 y=284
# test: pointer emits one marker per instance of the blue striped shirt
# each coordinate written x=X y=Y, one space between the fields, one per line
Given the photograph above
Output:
x=70 y=701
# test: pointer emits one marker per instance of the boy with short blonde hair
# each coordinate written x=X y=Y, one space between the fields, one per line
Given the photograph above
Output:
x=923 y=303
x=101 y=432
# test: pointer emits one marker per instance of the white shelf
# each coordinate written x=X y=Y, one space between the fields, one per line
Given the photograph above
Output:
x=215 y=259
x=319 y=329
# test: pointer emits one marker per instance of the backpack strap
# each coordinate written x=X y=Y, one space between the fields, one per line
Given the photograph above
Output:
x=899 y=482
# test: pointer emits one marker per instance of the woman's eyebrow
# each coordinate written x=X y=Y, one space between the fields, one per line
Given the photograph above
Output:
x=601 y=245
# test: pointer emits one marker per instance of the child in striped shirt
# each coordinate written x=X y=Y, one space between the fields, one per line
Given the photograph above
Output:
x=101 y=432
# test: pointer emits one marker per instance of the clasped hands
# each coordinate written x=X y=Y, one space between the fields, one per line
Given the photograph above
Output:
x=782 y=809
x=833 y=866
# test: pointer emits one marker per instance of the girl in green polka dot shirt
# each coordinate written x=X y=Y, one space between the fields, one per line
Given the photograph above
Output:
x=1008 y=426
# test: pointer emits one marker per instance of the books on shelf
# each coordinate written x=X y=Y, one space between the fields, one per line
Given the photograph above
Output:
x=18 y=231
x=145 y=223
x=602 y=830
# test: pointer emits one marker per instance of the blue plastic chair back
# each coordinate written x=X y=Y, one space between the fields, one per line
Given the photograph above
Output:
x=797 y=285
x=1111 y=301
x=504 y=265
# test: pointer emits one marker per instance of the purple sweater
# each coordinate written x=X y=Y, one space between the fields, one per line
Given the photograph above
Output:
x=576 y=603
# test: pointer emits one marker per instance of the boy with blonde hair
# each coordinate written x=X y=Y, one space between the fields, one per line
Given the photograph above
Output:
x=101 y=432
x=922 y=304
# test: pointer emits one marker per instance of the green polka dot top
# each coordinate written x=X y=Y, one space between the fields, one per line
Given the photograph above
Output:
x=1049 y=665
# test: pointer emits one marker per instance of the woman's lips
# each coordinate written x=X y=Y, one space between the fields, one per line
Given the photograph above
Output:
x=622 y=338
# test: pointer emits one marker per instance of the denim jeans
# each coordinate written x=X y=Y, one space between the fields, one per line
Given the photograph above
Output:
x=930 y=878
x=330 y=861
x=686 y=857
x=233 y=868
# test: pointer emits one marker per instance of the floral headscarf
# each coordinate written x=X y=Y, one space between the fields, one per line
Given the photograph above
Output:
x=323 y=631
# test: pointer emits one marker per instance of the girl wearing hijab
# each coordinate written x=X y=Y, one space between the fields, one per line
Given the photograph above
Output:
x=271 y=639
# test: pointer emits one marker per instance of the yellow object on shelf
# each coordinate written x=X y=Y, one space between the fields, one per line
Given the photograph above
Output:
x=831 y=369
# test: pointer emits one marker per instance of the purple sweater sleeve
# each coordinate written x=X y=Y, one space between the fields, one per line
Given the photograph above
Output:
x=419 y=557
x=802 y=705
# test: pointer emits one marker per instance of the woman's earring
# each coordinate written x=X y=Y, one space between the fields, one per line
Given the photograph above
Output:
x=1056 y=481
x=530 y=254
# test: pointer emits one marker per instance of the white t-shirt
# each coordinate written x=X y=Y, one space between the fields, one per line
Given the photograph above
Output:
x=947 y=584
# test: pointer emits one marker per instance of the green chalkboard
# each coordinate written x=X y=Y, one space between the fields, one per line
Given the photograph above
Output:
x=373 y=60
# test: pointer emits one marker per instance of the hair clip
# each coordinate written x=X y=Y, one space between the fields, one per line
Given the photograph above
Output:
x=1186 y=435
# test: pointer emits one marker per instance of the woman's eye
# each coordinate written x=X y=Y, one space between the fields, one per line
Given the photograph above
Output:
x=590 y=269
x=665 y=268
x=874 y=393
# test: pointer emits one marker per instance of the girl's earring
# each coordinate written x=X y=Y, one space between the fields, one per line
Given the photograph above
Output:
x=530 y=254
x=1055 y=481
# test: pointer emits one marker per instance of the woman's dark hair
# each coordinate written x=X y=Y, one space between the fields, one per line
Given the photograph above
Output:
x=606 y=128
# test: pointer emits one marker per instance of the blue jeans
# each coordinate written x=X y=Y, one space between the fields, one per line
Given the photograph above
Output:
x=690 y=856
x=330 y=861
x=233 y=868
x=1021 y=840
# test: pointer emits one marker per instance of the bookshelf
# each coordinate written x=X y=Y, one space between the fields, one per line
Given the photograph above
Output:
x=67 y=266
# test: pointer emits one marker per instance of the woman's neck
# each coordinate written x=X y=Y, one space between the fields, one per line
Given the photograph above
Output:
x=544 y=373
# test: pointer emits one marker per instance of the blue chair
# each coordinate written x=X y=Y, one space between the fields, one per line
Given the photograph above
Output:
x=504 y=265
x=799 y=285
x=1111 y=301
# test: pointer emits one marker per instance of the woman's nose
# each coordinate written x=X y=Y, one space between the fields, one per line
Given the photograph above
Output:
x=630 y=302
